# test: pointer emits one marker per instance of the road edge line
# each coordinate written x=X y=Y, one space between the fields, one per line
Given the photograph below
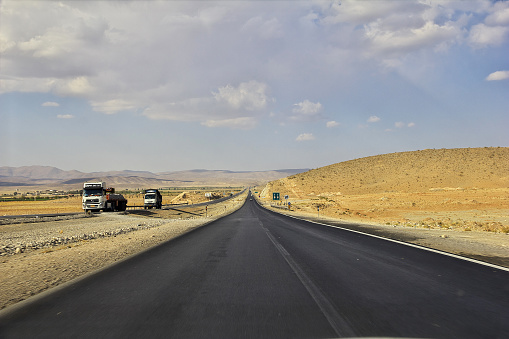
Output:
x=398 y=242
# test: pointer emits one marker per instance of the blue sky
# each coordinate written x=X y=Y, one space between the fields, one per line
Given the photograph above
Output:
x=247 y=85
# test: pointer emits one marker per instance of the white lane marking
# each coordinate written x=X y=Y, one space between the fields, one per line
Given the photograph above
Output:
x=401 y=242
x=337 y=322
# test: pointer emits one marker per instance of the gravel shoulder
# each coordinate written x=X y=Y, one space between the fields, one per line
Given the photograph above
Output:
x=54 y=252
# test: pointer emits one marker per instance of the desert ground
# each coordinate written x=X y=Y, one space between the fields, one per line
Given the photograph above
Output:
x=462 y=189
x=451 y=200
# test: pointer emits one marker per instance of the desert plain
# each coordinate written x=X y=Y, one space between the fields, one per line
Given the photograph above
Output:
x=452 y=200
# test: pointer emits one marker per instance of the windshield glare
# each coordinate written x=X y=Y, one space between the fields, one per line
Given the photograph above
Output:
x=92 y=192
x=150 y=196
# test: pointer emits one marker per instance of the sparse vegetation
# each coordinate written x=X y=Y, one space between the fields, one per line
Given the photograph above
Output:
x=465 y=189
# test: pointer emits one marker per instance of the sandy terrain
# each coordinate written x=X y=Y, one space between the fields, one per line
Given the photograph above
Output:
x=463 y=189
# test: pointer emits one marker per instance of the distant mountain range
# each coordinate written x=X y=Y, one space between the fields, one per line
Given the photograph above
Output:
x=51 y=176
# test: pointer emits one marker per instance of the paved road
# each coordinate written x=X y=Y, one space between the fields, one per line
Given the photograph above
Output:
x=257 y=274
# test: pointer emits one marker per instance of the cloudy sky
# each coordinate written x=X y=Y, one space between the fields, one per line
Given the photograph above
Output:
x=247 y=85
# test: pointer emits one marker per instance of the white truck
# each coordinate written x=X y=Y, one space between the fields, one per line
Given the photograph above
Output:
x=97 y=197
x=153 y=198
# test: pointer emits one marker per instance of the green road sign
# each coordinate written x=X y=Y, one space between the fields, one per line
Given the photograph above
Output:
x=275 y=196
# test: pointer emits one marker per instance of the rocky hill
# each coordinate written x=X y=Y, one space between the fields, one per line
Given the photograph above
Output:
x=417 y=171
x=465 y=188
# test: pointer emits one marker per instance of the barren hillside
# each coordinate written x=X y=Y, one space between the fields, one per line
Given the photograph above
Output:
x=419 y=171
x=455 y=184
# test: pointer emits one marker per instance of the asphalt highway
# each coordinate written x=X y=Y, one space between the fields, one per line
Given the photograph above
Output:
x=258 y=274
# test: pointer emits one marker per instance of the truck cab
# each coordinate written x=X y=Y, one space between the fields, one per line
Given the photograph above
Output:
x=94 y=197
x=97 y=197
x=153 y=198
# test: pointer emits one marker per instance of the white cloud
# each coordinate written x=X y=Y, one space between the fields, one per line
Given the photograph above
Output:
x=401 y=124
x=26 y=84
x=307 y=108
x=78 y=86
x=65 y=116
x=482 y=35
x=112 y=106
x=211 y=61
x=236 y=123
x=305 y=137
x=306 y=111
x=331 y=124
x=499 y=15
x=265 y=29
x=192 y=109
x=403 y=41
x=234 y=107
x=389 y=31
x=373 y=118
x=248 y=95
x=357 y=12
x=50 y=104
x=498 y=75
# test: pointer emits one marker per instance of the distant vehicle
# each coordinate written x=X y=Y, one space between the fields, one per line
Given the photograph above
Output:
x=153 y=198
x=97 y=197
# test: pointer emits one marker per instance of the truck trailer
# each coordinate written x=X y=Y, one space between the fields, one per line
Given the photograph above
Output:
x=153 y=198
x=98 y=197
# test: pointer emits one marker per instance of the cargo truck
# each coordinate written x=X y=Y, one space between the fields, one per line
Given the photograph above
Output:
x=98 y=197
x=153 y=198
